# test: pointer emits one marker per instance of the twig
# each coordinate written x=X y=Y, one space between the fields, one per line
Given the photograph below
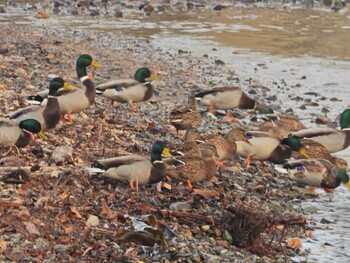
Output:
x=208 y=219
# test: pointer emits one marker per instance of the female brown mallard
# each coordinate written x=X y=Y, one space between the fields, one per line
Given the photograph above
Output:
x=129 y=90
x=49 y=115
x=317 y=173
x=12 y=133
x=189 y=146
x=316 y=150
x=229 y=97
x=334 y=140
x=193 y=169
x=135 y=168
x=187 y=117
x=281 y=125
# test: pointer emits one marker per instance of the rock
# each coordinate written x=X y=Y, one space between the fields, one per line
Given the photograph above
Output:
x=219 y=62
x=94 y=13
x=227 y=236
x=117 y=13
x=31 y=228
x=60 y=248
x=62 y=154
x=219 y=7
x=181 y=206
x=322 y=120
x=205 y=228
x=2 y=10
x=92 y=221
x=41 y=243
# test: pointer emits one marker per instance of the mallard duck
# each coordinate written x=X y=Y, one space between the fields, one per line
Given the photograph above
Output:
x=48 y=115
x=281 y=125
x=12 y=133
x=334 y=140
x=189 y=146
x=79 y=99
x=229 y=97
x=225 y=148
x=317 y=173
x=193 y=169
x=136 y=168
x=238 y=134
x=187 y=117
x=129 y=90
x=269 y=149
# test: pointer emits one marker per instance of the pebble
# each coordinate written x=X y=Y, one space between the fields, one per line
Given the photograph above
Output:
x=60 y=248
x=41 y=243
x=62 y=153
x=205 y=228
x=93 y=221
x=181 y=206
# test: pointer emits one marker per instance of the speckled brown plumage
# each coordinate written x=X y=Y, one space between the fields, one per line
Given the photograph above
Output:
x=281 y=124
x=194 y=168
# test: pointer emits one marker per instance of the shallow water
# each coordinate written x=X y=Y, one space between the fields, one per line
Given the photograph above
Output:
x=306 y=49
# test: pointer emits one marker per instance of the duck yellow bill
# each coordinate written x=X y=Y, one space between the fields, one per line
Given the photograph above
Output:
x=95 y=64
x=67 y=86
x=348 y=185
x=154 y=77
x=302 y=151
x=42 y=135
x=166 y=152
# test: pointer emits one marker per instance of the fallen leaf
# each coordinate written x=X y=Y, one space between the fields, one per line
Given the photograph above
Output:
x=309 y=234
x=107 y=212
x=76 y=212
x=42 y=15
x=207 y=193
x=3 y=245
x=294 y=243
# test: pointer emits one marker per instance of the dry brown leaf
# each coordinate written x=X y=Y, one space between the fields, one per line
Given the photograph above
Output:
x=309 y=234
x=3 y=245
x=68 y=229
x=31 y=228
x=294 y=243
x=207 y=193
x=107 y=212
x=42 y=15
x=167 y=186
x=64 y=195
x=76 y=212
x=280 y=227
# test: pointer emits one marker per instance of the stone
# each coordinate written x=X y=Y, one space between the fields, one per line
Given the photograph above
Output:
x=93 y=221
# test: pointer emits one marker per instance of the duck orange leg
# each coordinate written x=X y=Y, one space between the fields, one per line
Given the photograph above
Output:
x=70 y=118
x=132 y=106
x=328 y=190
x=220 y=164
x=189 y=185
x=248 y=161
x=131 y=184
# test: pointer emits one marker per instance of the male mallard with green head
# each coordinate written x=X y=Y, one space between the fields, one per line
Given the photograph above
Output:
x=136 y=168
x=79 y=99
x=129 y=90
x=229 y=97
x=48 y=115
x=12 y=133
x=334 y=140
x=269 y=149
x=317 y=173
x=193 y=169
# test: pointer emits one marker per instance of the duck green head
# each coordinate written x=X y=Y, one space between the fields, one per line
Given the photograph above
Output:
x=158 y=148
x=32 y=126
x=344 y=177
x=83 y=62
x=345 y=119
x=56 y=84
x=144 y=73
x=295 y=144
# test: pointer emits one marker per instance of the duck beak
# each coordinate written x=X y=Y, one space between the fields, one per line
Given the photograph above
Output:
x=166 y=152
x=95 y=64
x=67 y=86
x=154 y=77
x=302 y=151
x=348 y=185
x=42 y=135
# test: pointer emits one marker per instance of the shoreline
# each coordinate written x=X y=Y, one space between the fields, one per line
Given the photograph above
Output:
x=53 y=196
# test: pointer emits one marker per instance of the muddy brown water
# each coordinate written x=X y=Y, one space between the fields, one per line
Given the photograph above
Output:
x=308 y=49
